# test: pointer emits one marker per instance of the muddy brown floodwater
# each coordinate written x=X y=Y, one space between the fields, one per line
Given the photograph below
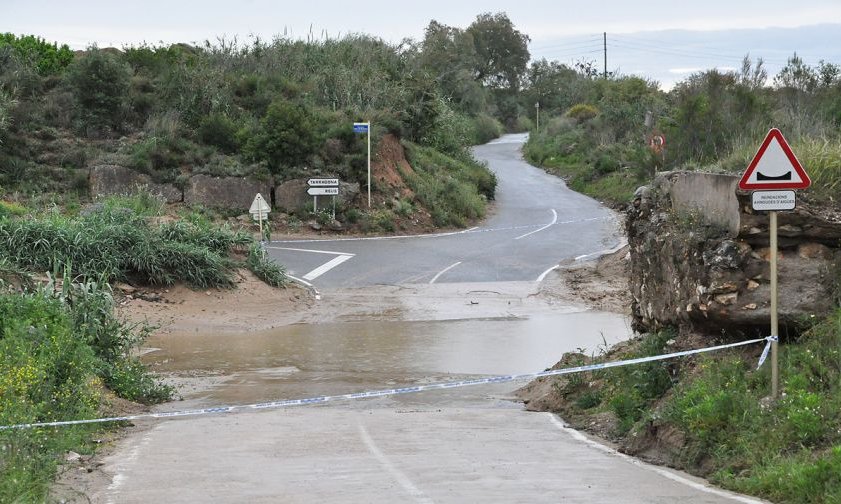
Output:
x=336 y=358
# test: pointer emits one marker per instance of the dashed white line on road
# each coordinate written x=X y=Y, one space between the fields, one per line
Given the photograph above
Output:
x=324 y=268
x=662 y=472
x=401 y=478
x=554 y=220
x=448 y=268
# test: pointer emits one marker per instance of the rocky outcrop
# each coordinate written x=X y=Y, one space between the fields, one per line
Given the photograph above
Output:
x=224 y=192
x=709 y=270
x=110 y=180
x=292 y=195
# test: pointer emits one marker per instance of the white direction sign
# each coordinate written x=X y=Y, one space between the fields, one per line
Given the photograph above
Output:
x=773 y=200
x=323 y=182
x=323 y=191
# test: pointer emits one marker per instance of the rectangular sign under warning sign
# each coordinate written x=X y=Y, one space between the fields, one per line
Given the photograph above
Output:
x=773 y=200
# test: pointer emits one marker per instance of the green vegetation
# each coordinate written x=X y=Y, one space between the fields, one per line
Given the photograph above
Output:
x=599 y=133
x=61 y=343
x=455 y=189
x=59 y=346
x=119 y=242
x=787 y=451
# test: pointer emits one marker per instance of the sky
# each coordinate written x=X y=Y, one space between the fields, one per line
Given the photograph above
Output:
x=665 y=40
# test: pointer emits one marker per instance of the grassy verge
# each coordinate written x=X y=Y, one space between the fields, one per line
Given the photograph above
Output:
x=456 y=190
x=123 y=239
x=607 y=172
x=59 y=347
x=63 y=350
x=786 y=451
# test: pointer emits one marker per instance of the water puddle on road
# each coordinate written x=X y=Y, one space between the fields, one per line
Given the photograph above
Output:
x=337 y=358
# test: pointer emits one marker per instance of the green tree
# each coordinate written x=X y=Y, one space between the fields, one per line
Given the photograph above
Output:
x=47 y=58
x=502 y=53
x=101 y=86
x=286 y=137
x=6 y=104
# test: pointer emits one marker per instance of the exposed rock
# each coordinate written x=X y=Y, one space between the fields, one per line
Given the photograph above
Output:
x=336 y=225
x=224 y=192
x=690 y=272
x=110 y=180
x=292 y=195
x=315 y=226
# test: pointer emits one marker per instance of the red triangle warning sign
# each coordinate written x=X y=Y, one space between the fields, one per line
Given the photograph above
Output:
x=775 y=166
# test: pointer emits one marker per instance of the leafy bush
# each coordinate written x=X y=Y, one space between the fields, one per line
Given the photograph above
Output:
x=455 y=190
x=286 y=138
x=582 y=112
x=58 y=347
x=48 y=58
x=219 y=130
x=485 y=129
x=101 y=85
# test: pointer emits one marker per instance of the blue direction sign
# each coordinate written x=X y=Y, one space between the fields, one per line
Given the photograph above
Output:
x=361 y=127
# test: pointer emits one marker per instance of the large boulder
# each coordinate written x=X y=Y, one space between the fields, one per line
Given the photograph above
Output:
x=689 y=267
x=110 y=180
x=224 y=192
x=292 y=195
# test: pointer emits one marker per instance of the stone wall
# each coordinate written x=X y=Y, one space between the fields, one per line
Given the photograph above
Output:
x=709 y=270
x=110 y=180
x=224 y=192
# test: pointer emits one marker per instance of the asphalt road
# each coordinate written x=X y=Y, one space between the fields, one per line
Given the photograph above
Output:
x=450 y=446
x=537 y=222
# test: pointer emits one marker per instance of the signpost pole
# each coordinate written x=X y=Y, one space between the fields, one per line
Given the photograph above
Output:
x=260 y=219
x=775 y=331
x=369 y=164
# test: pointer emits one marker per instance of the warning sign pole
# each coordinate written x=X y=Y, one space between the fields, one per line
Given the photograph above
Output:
x=775 y=329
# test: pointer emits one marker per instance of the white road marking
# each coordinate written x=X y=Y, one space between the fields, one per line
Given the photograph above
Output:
x=401 y=478
x=448 y=268
x=543 y=275
x=554 y=220
x=311 y=250
x=308 y=285
x=379 y=238
x=662 y=472
x=324 y=268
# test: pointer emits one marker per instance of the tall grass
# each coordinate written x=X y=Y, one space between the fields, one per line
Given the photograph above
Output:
x=114 y=243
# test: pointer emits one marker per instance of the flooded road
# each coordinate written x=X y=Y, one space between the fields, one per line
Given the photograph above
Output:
x=337 y=358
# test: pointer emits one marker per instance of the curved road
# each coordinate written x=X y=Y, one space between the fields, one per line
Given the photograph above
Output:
x=454 y=446
x=537 y=222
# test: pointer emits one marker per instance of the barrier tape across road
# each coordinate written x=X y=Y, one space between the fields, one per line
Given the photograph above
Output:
x=399 y=391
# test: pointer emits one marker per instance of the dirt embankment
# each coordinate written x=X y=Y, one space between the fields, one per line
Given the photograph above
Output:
x=250 y=306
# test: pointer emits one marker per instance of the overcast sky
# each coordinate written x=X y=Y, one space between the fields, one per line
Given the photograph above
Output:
x=560 y=29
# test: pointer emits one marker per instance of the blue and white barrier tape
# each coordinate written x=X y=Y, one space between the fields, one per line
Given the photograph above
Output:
x=397 y=391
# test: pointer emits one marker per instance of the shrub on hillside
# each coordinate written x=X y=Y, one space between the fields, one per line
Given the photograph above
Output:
x=100 y=83
x=220 y=131
x=485 y=129
x=582 y=112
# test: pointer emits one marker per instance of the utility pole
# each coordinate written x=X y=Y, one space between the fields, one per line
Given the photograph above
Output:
x=605 y=55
